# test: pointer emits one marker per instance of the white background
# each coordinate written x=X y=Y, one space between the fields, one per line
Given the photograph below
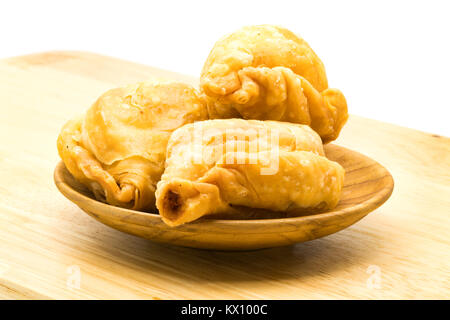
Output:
x=390 y=58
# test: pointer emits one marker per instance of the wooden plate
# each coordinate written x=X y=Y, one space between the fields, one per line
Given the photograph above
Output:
x=367 y=186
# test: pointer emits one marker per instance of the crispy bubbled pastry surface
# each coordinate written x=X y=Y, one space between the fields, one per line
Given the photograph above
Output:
x=268 y=73
x=213 y=166
x=117 y=149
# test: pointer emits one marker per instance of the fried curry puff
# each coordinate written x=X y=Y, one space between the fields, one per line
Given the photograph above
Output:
x=268 y=73
x=117 y=149
x=216 y=166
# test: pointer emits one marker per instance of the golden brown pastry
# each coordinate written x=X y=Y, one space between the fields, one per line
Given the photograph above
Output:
x=213 y=166
x=118 y=148
x=268 y=73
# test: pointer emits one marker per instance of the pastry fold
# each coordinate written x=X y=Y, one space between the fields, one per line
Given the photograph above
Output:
x=117 y=149
x=220 y=166
x=268 y=73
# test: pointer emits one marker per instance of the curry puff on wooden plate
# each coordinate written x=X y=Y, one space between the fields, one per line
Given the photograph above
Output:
x=238 y=163
x=367 y=185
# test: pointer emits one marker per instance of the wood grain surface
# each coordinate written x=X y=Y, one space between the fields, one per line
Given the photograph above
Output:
x=46 y=243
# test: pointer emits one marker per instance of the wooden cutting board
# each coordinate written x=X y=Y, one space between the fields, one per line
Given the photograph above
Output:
x=50 y=249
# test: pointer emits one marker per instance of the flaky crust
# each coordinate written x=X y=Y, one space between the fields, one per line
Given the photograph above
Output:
x=117 y=149
x=215 y=166
x=268 y=73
